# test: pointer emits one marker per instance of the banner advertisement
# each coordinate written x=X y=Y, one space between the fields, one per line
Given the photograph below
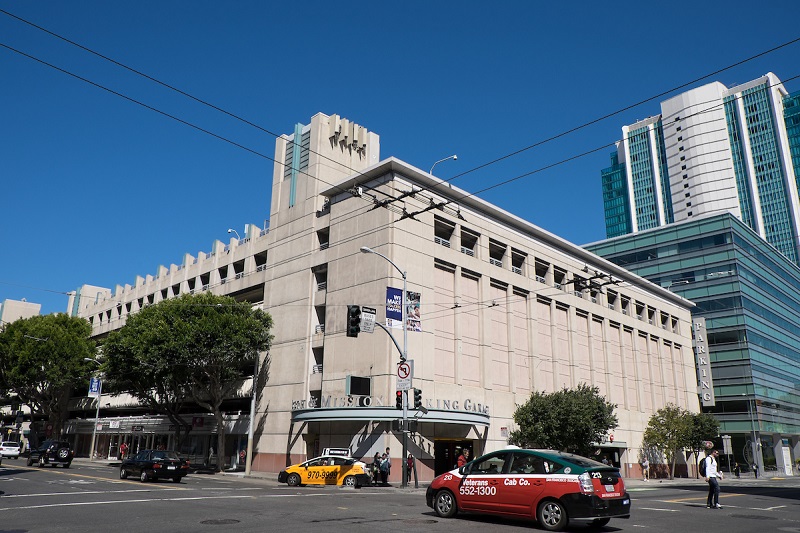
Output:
x=394 y=313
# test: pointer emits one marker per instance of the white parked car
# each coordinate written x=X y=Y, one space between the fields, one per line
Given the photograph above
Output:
x=9 y=449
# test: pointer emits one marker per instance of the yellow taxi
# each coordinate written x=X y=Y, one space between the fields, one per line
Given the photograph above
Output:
x=326 y=470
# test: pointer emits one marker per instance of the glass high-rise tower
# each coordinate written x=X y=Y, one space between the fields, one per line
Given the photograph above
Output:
x=712 y=150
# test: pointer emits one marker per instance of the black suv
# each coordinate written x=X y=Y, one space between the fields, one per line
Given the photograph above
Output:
x=52 y=452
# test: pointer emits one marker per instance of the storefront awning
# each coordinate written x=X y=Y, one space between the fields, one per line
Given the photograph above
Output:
x=383 y=414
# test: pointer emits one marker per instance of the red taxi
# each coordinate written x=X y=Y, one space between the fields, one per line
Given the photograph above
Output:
x=555 y=488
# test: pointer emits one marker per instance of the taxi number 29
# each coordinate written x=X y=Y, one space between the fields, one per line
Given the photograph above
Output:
x=478 y=491
x=320 y=475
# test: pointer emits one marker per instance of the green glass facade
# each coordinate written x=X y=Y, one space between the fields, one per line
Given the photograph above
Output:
x=750 y=298
x=615 y=199
x=769 y=178
x=791 y=116
x=642 y=169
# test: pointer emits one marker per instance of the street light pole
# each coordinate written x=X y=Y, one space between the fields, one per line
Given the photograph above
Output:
x=403 y=357
x=248 y=463
x=754 y=445
x=97 y=410
x=96 y=420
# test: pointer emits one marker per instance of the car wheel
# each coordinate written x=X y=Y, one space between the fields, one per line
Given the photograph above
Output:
x=552 y=515
x=445 y=504
x=600 y=522
x=349 y=481
x=63 y=453
x=41 y=461
x=30 y=461
x=144 y=477
x=293 y=480
x=123 y=473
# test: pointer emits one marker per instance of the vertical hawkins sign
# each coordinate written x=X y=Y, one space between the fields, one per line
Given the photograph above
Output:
x=705 y=383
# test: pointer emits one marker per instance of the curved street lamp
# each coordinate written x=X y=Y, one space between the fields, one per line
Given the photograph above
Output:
x=454 y=157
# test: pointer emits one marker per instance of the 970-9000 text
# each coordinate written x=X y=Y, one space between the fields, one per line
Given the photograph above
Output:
x=478 y=491
x=312 y=474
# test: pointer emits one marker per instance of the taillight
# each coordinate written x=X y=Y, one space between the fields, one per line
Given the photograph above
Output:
x=587 y=487
x=156 y=466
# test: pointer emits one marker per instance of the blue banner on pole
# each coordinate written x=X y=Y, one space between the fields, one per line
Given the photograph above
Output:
x=94 y=388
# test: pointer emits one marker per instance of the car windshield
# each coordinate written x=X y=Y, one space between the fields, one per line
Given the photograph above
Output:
x=162 y=455
x=9 y=444
x=585 y=462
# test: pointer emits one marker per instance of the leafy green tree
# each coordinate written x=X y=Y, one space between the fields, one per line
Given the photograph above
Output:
x=704 y=427
x=572 y=420
x=669 y=430
x=198 y=347
x=42 y=361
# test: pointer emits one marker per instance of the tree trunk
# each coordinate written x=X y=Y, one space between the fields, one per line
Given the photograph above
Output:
x=220 y=439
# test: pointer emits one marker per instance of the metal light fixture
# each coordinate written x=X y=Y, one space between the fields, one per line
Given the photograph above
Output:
x=454 y=157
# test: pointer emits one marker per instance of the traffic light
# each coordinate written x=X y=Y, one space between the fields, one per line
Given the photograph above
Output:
x=398 y=402
x=417 y=398
x=353 y=320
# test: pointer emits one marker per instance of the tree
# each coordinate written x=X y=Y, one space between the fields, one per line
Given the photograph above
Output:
x=195 y=346
x=669 y=430
x=42 y=361
x=704 y=427
x=572 y=420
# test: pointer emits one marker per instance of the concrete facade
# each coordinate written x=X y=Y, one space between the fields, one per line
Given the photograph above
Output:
x=506 y=308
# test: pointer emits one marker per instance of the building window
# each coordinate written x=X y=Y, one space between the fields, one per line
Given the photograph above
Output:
x=442 y=231
x=469 y=242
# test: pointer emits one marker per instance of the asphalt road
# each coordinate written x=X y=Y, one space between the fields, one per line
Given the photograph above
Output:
x=90 y=498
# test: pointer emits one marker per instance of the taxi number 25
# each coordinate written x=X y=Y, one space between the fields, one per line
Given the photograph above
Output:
x=320 y=475
x=478 y=491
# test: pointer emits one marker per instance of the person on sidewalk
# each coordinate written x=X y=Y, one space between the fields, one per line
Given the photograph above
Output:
x=712 y=478
x=645 y=469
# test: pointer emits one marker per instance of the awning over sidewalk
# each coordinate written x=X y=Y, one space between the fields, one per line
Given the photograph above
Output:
x=381 y=414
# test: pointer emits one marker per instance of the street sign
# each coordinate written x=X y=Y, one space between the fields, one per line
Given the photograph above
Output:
x=726 y=445
x=405 y=374
x=368 y=319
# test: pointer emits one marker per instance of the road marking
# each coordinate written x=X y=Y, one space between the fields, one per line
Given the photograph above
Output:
x=76 y=504
x=658 y=509
x=107 y=479
x=6 y=496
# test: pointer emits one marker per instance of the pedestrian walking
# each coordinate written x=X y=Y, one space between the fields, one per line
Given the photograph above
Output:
x=645 y=468
x=737 y=470
x=713 y=475
x=376 y=469
x=409 y=466
x=123 y=450
x=386 y=466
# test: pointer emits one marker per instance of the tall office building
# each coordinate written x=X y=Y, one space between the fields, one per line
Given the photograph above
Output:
x=712 y=150
x=747 y=300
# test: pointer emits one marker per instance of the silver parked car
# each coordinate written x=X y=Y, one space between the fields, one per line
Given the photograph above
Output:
x=10 y=449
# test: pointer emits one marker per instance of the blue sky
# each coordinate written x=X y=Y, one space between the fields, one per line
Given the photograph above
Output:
x=97 y=190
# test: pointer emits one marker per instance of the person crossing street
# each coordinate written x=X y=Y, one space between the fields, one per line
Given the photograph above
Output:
x=713 y=475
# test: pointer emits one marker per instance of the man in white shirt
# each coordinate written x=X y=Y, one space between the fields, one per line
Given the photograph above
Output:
x=713 y=475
